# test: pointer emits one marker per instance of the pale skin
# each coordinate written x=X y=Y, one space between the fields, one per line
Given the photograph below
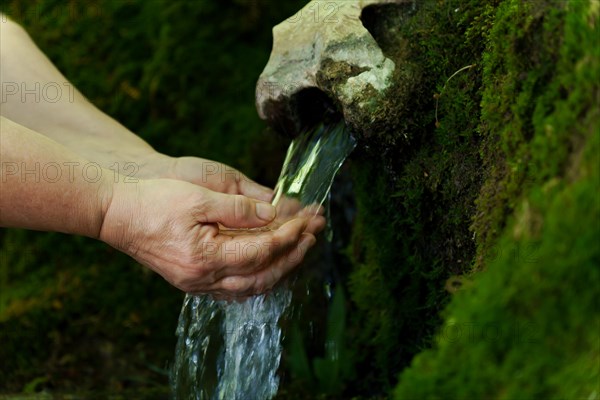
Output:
x=169 y=216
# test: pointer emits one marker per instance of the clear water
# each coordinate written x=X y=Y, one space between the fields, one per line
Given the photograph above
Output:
x=231 y=351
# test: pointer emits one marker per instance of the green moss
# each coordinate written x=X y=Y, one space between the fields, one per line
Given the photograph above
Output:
x=520 y=63
x=475 y=194
x=415 y=183
x=526 y=327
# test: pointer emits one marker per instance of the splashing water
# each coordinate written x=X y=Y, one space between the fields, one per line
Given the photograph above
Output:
x=231 y=351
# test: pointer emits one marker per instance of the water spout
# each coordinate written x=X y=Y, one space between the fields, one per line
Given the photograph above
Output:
x=322 y=59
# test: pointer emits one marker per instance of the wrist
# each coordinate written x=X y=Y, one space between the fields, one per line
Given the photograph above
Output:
x=115 y=215
x=156 y=165
x=106 y=196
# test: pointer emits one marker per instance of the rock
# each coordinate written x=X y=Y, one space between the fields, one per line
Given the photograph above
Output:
x=324 y=59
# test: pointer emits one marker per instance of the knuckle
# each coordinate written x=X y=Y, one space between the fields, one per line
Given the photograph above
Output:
x=202 y=217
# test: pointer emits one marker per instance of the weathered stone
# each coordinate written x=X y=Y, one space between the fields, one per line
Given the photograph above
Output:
x=323 y=58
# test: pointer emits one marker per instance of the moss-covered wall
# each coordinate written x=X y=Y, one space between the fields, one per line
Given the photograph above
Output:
x=476 y=245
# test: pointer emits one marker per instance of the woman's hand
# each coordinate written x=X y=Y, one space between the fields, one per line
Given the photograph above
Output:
x=209 y=174
x=172 y=227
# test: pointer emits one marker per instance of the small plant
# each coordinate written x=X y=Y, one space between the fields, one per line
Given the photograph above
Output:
x=437 y=96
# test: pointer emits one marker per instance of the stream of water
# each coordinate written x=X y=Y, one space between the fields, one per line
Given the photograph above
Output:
x=231 y=351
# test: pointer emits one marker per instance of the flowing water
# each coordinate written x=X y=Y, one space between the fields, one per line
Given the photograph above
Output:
x=231 y=351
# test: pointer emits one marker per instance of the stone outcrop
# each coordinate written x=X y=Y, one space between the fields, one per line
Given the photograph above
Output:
x=324 y=59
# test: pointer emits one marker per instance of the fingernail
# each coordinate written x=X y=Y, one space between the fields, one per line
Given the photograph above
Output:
x=265 y=211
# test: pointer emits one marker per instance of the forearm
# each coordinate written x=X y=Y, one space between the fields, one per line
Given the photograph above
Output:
x=29 y=86
x=46 y=186
x=36 y=95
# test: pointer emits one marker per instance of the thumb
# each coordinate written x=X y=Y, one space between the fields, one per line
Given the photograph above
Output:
x=237 y=211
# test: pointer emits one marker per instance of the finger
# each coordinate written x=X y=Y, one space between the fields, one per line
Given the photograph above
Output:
x=267 y=278
x=248 y=187
x=248 y=253
x=312 y=209
x=288 y=206
x=236 y=211
x=316 y=224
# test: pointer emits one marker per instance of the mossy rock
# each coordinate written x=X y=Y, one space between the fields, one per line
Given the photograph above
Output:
x=495 y=164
